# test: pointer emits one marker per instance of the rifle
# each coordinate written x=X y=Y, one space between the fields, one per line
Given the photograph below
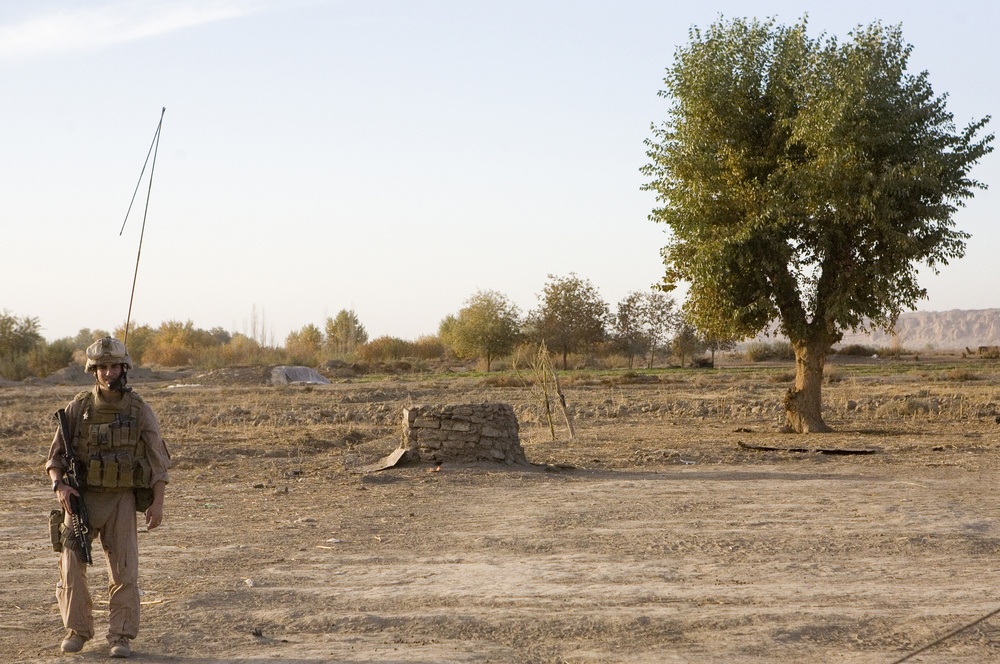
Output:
x=74 y=478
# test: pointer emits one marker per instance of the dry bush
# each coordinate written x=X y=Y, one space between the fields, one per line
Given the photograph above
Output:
x=906 y=408
x=961 y=375
x=428 y=347
x=241 y=351
x=762 y=351
x=577 y=361
x=581 y=378
x=14 y=368
x=169 y=355
x=832 y=376
x=858 y=350
x=507 y=380
x=386 y=349
x=630 y=378
x=46 y=358
x=619 y=361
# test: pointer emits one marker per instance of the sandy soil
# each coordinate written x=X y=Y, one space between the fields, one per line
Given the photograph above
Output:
x=653 y=536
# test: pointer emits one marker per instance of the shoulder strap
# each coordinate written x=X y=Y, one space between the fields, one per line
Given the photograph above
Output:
x=135 y=411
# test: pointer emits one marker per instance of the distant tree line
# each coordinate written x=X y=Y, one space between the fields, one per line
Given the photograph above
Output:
x=571 y=318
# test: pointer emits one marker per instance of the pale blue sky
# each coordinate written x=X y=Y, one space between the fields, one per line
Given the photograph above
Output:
x=391 y=157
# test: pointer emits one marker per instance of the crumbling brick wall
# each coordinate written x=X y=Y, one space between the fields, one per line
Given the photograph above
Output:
x=463 y=432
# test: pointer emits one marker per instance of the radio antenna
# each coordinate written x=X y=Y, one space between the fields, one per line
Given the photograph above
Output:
x=153 y=149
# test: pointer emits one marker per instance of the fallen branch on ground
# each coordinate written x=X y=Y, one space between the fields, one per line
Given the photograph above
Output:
x=821 y=450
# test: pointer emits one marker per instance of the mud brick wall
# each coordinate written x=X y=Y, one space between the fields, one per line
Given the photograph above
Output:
x=463 y=432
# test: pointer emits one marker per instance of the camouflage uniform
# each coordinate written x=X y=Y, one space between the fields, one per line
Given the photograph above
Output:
x=111 y=509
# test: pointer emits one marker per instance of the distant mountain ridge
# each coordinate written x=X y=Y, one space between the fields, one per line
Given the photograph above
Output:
x=941 y=330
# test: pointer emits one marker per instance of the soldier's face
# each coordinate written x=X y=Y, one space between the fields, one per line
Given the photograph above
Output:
x=107 y=373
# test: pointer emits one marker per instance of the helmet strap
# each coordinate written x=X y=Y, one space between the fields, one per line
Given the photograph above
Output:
x=119 y=383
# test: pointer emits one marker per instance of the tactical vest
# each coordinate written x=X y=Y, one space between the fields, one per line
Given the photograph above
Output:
x=107 y=441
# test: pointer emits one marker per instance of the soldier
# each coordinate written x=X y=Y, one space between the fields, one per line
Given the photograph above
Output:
x=117 y=438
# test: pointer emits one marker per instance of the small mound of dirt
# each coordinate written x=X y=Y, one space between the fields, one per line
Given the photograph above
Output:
x=71 y=375
x=257 y=375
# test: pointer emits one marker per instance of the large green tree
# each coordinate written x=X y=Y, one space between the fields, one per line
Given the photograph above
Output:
x=488 y=326
x=571 y=315
x=805 y=180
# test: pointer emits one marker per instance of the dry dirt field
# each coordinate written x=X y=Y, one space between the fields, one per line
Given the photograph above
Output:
x=652 y=536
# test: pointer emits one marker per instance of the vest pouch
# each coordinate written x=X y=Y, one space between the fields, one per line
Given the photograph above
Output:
x=125 y=471
x=119 y=434
x=94 y=471
x=143 y=499
x=102 y=436
x=110 y=478
x=56 y=518
x=126 y=435
x=142 y=473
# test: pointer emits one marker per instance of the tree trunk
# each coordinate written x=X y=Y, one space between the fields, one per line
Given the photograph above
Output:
x=804 y=402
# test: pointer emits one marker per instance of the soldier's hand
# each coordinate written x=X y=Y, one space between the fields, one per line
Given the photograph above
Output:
x=154 y=515
x=63 y=494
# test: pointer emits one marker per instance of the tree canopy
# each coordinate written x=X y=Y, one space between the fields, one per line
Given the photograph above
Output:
x=345 y=333
x=571 y=315
x=488 y=326
x=805 y=180
x=305 y=346
x=641 y=323
x=18 y=336
x=630 y=337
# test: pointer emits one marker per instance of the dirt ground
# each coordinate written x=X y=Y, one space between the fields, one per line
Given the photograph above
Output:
x=651 y=536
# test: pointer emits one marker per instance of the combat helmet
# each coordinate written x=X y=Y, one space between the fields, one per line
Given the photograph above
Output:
x=107 y=351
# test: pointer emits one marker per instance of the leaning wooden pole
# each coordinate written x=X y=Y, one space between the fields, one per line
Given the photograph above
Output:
x=541 y=364
x=562 y=402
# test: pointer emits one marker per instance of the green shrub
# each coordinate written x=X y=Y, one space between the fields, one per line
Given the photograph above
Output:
x=46 y=358
x=631 y=377
x=892 y=351
x=14 y=368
